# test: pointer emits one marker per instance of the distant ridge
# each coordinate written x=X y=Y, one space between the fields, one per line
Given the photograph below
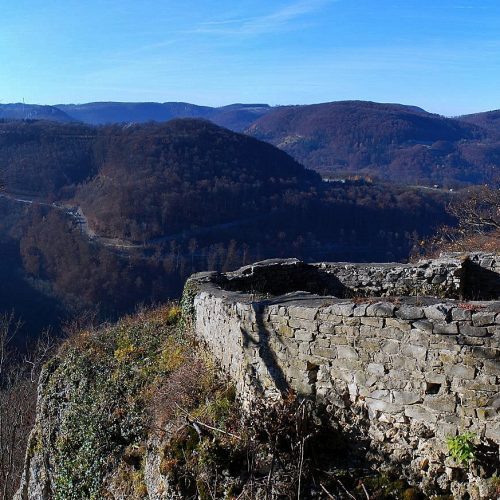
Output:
x=489 y=120
x=389 y=141
x=236 y=117
x=393 y=142
x=21 y=111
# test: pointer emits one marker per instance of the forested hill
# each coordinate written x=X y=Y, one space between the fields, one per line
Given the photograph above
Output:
x=164 y=178
x=104 y=218
x=489 y=120
x=388 y=141
x=21 y=111
x=392 y=142
x=234 y=116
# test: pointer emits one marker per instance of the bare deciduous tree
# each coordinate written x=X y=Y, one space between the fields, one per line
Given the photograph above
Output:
x=478 y=210
x=18 y=386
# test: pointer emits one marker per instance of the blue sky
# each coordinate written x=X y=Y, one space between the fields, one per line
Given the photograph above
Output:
x=442 y=55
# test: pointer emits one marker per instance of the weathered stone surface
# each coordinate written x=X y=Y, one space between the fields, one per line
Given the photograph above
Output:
x=418 y=412
x=483 y=318
x=381 y=309
x=438 y=312
x=460 y=314
x=375 y=322
x=346 y=352
x=406 y=398
x=421 y=367
x=460 y=371
x=446 y=328
x=424 y=325
x=473 y=331
x=414 y=351
x=410 y=312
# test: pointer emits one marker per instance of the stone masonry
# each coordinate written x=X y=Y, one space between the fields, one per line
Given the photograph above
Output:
x=409 y=371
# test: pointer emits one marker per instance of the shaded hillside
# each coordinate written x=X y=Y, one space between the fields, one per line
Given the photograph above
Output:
x=489 y=120
x=105 y=218
x=388 y=141
x=21 y=111
x=43 y=158
x=165 y=178
x=235 y=116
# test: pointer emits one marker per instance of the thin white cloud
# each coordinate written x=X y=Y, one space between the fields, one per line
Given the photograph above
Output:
x=268 y=23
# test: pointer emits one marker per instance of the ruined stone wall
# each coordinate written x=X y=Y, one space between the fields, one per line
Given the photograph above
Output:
x=409 y=371
x=452 y=276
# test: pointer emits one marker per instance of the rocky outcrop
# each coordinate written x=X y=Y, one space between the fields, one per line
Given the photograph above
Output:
x=409 y=372
x=397 y=365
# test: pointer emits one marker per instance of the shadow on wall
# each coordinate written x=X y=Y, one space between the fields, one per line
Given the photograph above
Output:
x=282 y=277
x=479 y=283
x=266 y=353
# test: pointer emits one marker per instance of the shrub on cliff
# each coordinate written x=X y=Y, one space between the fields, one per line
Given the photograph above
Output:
x=96 y=394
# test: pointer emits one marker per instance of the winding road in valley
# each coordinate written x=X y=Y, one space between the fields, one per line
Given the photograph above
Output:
x=76 y=213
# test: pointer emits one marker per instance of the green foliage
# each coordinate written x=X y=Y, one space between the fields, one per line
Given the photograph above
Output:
x=96 y=398
x=461 y=447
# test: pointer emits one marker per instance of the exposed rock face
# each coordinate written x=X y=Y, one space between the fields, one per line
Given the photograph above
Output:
x=409 y=371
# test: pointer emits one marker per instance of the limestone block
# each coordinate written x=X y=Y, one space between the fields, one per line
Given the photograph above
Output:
x=368 y=345
x=418 y=337
x=493 y=431
x=304 y=335
x=375 y=322
x=304 y=324
x=424 y=325
x=360 y=310
x=418 y=412
x=459 y=314
x=339 y=340
x=483 y=318
x=406 y=398
x=343 y=309
x=410 y=312
x=460 y=371
x=441 y=328
x=347 y=330
x=327 y=328
x=324 y=352
x=473 y=331
x=376 y=369
x=382 y=394
x=383 y=406
x=491 y=367
x=348 y=364
x=390 y=346
x=441 y=404
x=347 y=352
x=435 y=378
x=303 y=312
x=438 y=312
x=381 y=309
x=404 y=363
x=351 y=321
x=398 y=323
x=414 y=351
x=391 y=333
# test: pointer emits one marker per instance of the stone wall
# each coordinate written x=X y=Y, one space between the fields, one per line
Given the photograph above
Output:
x=464 y=276
x=408 y=371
